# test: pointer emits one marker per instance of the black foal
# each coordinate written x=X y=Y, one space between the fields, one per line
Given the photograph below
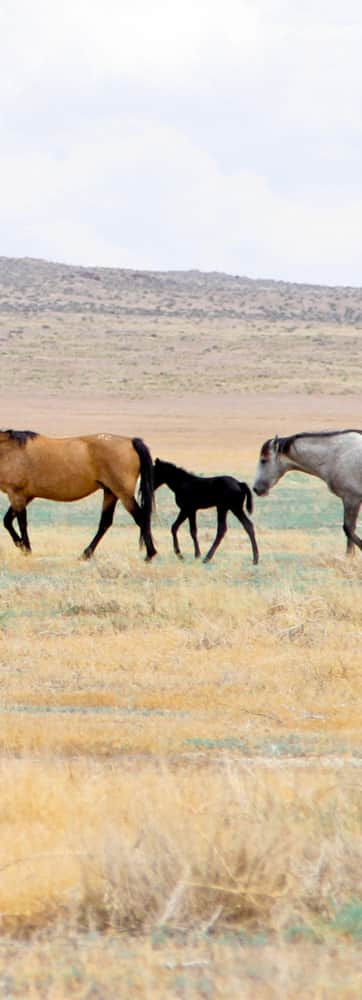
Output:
x=195 y=492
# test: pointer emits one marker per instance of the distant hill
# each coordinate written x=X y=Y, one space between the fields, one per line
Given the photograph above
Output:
x=40 y=286
x=109 y=329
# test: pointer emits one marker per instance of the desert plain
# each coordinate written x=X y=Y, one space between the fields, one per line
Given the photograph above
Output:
x=181 y=794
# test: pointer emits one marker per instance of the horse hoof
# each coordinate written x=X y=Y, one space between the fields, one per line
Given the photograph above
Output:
x=86 y=555
x=25 y=549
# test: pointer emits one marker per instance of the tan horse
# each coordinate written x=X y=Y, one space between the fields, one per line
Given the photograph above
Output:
x=66 y=469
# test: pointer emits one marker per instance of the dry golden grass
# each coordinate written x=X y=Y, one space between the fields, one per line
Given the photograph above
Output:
x=114 y=967
x=230 y=845
x=176 y=648
x=180 y=745
x=180 y=755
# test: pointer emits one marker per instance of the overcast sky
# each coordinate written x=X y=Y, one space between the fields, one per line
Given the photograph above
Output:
x=212 y=134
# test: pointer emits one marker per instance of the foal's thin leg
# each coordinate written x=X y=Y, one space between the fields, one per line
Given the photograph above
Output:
x=21 y=541
x=249 y=528
x=193 y=533
x=221 y=531
x=351 y=511
x=179 y=520
x=108 y=508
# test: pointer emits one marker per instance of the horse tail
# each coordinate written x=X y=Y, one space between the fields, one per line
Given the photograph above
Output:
x=249 y=497
x=146 y=487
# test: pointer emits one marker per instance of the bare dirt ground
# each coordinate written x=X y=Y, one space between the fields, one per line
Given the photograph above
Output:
x=234 y=424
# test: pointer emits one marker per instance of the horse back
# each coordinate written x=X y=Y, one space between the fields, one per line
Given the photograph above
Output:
x=59 y=468
x=115 y=460
x=198 y=492
x=68 y=468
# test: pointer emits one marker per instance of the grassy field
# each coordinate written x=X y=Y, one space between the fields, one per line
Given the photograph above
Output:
x=180 y=744
x=181 y=758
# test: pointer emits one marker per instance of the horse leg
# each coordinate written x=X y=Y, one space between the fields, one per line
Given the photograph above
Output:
x=23 y=525
x=108 y=508
x=174 y=529
x=193 y=533
x=249 y=528
x=21 y=541
x=123 y=489
x=351 y=511
x=136 y=512
x=221 y=531
x=8 y=524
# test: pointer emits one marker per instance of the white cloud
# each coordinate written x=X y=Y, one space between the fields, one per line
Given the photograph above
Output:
x=194 y=135
x=164 y=41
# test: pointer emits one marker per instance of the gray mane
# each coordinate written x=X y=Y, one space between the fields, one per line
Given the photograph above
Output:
x=284 y=443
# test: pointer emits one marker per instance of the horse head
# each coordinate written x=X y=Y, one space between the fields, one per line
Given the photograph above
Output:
x=270 y=467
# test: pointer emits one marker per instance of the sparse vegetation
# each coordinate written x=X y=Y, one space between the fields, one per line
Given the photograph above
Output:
x=180 y=753
x=180 y=744
x=100 y=326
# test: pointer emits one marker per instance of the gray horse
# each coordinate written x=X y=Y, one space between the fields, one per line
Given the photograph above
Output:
x=334 y=456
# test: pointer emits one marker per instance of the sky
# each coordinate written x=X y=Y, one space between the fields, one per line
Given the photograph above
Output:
x=223 y=136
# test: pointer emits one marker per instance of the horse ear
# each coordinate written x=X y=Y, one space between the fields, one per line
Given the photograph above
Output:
x=275 y=443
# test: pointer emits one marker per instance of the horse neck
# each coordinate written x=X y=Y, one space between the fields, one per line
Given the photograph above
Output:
x=172 y=475
x=310 y=454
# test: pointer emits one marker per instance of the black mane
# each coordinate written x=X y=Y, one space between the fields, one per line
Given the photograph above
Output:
x=20 y=437
x=177 y=468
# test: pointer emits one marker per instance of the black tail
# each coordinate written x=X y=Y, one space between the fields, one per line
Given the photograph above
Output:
x=146 y=489
x=249 y=497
